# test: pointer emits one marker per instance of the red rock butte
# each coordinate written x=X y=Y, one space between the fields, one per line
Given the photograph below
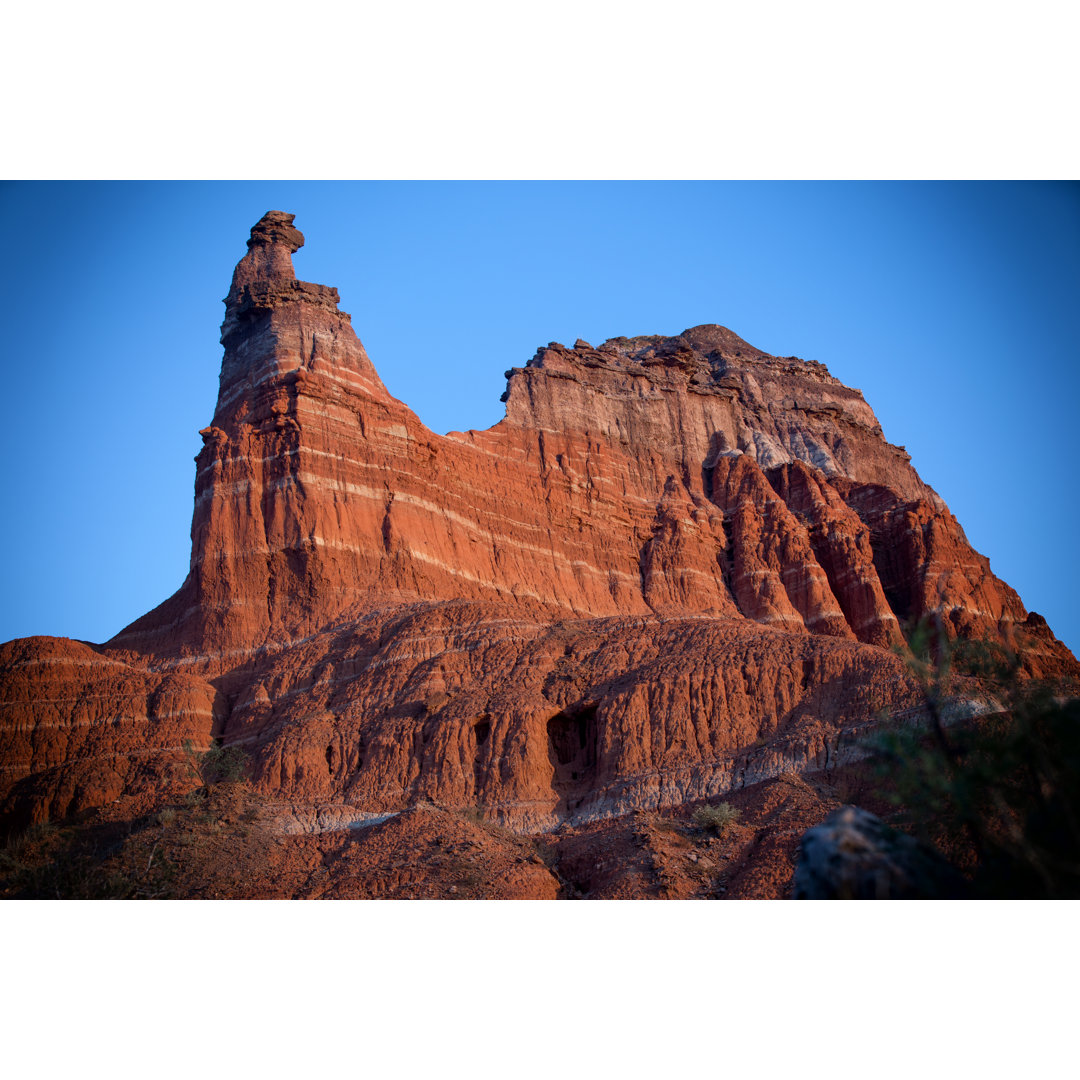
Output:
x=676 y=567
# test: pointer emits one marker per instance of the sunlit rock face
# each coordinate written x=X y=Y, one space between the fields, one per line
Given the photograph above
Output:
x=677 y=565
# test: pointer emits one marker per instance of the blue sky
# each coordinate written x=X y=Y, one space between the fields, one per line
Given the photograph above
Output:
x=952 y=306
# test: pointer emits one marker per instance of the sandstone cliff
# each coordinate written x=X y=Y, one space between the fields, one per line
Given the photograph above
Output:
x=675 y=567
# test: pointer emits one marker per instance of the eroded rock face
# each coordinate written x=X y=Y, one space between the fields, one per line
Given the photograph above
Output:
x=675 y=566
x=467 y=704
x=81 y=728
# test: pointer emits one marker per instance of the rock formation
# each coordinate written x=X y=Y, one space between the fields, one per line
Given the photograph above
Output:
x=677 y=566
x=854 y=855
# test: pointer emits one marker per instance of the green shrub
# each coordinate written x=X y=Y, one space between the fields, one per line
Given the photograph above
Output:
x=1006 y=786
x=719 y=818
x=217 y=765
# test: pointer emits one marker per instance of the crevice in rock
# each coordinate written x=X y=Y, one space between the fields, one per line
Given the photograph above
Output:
x=220 y=711
x=643 y=569
x=387 y=533
x=481 y=732
x=572 y=749
x=482 y=728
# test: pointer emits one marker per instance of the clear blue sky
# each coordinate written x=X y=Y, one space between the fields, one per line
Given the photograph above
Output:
x=954 y=307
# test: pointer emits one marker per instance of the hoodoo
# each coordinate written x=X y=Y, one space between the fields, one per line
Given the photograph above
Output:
x=678 y=566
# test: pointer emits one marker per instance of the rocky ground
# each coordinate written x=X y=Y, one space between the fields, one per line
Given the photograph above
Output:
x=226 y=843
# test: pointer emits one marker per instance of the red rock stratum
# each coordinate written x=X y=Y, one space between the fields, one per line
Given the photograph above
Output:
x=676 y=567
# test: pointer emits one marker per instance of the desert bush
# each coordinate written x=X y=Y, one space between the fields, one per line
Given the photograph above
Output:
x=1004 y=786
x=217 y=765
x=719 y=818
